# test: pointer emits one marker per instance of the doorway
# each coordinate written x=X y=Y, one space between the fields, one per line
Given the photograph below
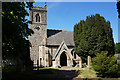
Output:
x=63 y=59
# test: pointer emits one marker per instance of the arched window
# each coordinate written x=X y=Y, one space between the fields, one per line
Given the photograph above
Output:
x=37 y=18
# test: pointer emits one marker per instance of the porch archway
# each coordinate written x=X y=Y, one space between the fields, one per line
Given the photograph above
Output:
x=63 y=59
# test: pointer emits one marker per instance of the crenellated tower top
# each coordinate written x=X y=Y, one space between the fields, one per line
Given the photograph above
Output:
x=40 y=8
x=38 y=14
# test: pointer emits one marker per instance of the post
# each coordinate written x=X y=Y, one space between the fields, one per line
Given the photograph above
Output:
x=89 y=61
x=38 y=65
x=54 y=64
x=80 y=63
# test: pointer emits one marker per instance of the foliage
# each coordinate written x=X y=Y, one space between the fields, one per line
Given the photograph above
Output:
x=118 y=58
x=117 y=48
x=15 y=31
x=9 y=69
x=105 y=65
x=118 y=7
x=92 y=36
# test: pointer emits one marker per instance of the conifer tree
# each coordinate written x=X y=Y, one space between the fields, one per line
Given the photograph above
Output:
x=117 y=48
x=93 y=36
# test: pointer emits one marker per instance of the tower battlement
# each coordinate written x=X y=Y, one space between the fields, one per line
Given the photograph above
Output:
x=40 y=8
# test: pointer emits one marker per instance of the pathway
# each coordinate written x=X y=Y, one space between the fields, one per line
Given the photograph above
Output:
x=66 y=73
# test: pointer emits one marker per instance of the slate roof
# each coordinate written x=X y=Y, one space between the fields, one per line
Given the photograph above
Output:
x=55 y=37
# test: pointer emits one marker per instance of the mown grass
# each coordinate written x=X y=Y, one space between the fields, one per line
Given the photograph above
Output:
x=87 y=73
x=92 y=75
x=46 y=70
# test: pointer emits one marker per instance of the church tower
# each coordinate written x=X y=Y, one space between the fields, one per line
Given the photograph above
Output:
x=38 y=16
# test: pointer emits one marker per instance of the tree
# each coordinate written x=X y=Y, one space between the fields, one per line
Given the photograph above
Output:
x=117 y=48
x=15 y=31
x=105 y=65
x=93 y=36
x=118 y=7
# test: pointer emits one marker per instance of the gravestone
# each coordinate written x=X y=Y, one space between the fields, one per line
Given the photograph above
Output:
x=89 y=61
x=80 y=63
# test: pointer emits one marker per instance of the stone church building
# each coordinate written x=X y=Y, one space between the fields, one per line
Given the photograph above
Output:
x=50 y=48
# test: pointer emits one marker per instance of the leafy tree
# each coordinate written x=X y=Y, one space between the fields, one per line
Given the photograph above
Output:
x=93 y=36
x=15 y=31
x=118 y=7
x=117 y=48
x=105 y=65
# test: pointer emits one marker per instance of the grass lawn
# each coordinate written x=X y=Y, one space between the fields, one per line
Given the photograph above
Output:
x=87 y=74
x=91 y=74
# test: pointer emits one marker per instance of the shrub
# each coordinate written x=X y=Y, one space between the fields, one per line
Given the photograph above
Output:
x=105 y=65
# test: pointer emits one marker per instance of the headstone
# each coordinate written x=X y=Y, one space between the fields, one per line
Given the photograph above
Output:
x=89 y=61
x=80 y=63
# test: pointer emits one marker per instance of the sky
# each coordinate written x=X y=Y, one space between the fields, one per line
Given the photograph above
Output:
x=64 y=15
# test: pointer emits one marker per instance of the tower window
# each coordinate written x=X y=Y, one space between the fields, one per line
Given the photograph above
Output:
x=37 y=18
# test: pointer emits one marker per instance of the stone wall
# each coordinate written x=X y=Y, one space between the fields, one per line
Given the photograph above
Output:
x=38 y=39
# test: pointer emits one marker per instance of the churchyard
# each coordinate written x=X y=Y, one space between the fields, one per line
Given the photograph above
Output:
x=33 y=52
x=81 y=72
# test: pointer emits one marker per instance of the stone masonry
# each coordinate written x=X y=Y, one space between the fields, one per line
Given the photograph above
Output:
x=49 y=47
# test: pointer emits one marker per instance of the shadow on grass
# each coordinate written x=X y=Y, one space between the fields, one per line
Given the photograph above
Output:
x=41 y=74
x=66 y=74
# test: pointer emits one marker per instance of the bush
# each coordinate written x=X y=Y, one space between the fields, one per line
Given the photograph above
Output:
x=105 y=65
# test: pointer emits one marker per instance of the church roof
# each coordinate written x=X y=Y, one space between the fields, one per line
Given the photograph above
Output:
x=55 y=37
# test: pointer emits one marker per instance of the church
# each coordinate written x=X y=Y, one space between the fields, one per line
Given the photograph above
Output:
x=50 y=48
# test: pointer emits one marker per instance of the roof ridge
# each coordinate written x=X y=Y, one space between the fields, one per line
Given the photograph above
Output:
x=60 y=30
x=54 y=29
x=66 y=31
